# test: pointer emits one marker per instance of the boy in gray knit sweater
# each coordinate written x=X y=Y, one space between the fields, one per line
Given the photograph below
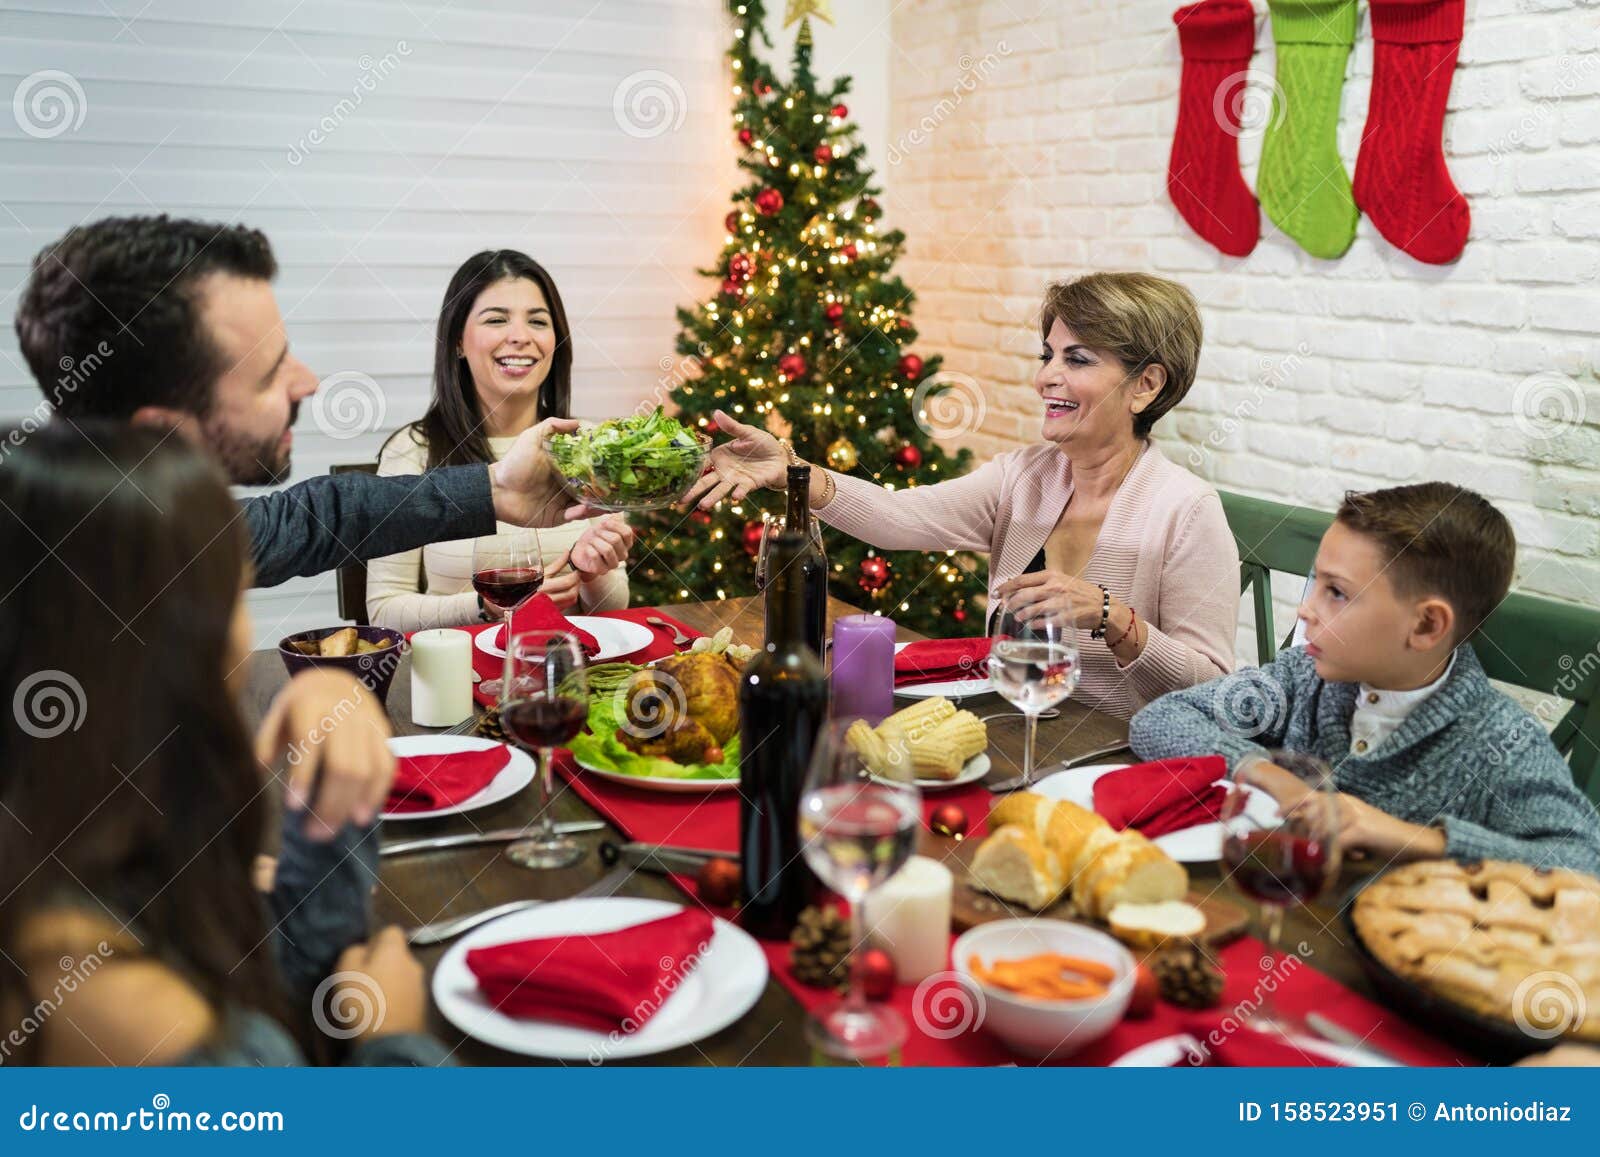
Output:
x=1429 y=759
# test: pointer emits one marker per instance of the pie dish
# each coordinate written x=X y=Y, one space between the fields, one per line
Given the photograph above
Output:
x=1514 y=945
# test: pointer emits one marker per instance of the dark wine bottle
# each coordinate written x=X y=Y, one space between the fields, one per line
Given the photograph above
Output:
x=813 y=564
x=783 y=703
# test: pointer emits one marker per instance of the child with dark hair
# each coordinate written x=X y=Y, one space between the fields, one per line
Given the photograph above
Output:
x=1429 y=758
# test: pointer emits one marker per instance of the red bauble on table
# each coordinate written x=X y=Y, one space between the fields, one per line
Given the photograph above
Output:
x=769 y=202
x=718 y=882
x=948 y=819
x=908 y=457
x=745 y=137
x=848 y=251
x=873 y=574
x=752 y=538
x=731 y=222
x=839 y=111
x=834 y=313
x=875 y=974
x=792 y=366
x=823 y=154
x=910 y=366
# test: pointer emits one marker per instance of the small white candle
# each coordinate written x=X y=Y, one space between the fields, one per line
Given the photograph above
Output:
x=441 y=677
x=910 y=917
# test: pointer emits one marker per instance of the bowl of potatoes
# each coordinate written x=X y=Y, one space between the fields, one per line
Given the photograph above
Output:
x=371 y=654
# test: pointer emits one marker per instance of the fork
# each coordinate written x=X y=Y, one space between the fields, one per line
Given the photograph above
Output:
x=441 y=930
x=678 y=637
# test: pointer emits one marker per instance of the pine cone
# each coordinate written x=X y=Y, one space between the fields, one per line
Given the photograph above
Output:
x=1188 y=977
x=819 y=952
x=489 y=727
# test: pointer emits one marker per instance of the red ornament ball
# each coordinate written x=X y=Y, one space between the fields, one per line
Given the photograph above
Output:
x=718 y=882
x=769 y=202
x=874 y=574
x=848 y=251
x=731 y=222
x=959 y=614
x=839 y=111
x=868 y=208
x=792 y=366
x=740 y=266
x=908 y=457
x=823 y=153
x=834 y=313
x=745 y=137
x=731 y=287
x=700 y=517
x=910 y=366
x=760 y=87
x=875 y=973
x=752 y=538
x=948 y=819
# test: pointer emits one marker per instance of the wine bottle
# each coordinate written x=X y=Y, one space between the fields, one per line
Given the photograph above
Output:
x=783 y=703
x=813 y=565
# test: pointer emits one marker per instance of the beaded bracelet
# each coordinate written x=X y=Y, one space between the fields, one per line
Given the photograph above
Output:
x=1133 y=621
x=1105 y=612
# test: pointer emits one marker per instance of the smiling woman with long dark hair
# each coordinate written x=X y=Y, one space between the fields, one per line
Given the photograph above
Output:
x=502 y=362
x=131 y=811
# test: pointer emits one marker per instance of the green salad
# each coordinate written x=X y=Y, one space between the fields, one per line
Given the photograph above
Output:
x=600 y=748
x=631 y=463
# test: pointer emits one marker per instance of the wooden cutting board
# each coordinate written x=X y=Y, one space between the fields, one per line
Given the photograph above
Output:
x=1225 y=920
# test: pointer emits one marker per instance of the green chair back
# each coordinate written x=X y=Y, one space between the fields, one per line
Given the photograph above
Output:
x=1547 y=646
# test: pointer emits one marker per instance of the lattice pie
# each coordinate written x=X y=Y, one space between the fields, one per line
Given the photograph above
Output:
x=1512 y=942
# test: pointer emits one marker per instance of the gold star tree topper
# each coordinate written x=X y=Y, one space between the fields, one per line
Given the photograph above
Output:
x=800 y=9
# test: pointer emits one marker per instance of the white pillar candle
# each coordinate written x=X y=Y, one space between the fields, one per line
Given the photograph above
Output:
x=441 y=677
x=910 y=917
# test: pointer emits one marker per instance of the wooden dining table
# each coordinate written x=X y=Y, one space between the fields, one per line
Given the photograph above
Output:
x=419 y=888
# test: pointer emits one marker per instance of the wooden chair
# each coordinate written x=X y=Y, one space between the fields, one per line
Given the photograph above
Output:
x=1547 y=646
x=352 y=579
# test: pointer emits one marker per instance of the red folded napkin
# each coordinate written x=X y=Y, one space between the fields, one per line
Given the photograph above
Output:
x=425 y=782
x=606 y=981
x=1228 y=1044
x=540 y=613
x=1167 y=795
x=939 y=660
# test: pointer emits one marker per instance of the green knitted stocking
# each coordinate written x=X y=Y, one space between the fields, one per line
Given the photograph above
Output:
x=1302 y=183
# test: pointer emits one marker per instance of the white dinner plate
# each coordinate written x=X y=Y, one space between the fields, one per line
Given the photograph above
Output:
x=951 y=689
x=1171 y=1051
x=722 y=986
x=517 y=774
x=1201 y=844
x=616 y=637
x=660 y=782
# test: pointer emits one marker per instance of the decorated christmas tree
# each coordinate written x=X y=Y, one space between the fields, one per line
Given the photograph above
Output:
x=810 y=333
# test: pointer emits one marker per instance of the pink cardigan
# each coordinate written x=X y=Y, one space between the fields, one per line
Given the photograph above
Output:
x=1164 y=549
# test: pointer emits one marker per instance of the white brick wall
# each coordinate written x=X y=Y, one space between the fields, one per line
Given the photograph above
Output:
x=1317 y=375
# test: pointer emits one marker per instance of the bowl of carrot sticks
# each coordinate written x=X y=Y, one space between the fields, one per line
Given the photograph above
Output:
x=1049 y=987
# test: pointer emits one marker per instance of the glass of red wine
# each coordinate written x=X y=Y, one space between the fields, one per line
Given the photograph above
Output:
x=1280 y=846
x=857 y=829
x=545 y=704
x=507 y=571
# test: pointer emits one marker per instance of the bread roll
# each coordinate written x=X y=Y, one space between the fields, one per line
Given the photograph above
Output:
x=1014 y=865
x=1156 y=925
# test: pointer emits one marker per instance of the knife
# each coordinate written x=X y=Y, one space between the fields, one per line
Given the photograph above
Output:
x=502 y=836
x=1004 y=785
x=1332 y=1031
x=663 y=858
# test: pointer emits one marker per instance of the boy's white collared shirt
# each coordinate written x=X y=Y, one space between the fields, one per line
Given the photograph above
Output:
x=1379 y=714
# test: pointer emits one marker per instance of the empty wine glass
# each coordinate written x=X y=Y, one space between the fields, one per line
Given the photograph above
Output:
x=1280 y=822
x=545 y=703
x=857 y=829
x=507 y=571
x=1033 y=662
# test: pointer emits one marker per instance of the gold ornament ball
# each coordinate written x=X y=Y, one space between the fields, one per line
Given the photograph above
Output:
x=842 y=454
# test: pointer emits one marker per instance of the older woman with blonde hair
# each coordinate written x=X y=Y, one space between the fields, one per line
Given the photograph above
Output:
x=1093 y=520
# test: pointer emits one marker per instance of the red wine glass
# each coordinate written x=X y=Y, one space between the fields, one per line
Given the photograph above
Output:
x=544 y=705
x=507 y=571
x=1280 y=847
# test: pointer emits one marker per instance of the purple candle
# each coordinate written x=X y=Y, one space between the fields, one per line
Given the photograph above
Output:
x=863 y=667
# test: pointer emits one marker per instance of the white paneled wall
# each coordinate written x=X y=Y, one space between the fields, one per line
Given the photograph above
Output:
x=378 y=144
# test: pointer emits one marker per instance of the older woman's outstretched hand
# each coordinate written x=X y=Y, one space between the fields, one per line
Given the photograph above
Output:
x=751 y=460
x=1052 y=592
